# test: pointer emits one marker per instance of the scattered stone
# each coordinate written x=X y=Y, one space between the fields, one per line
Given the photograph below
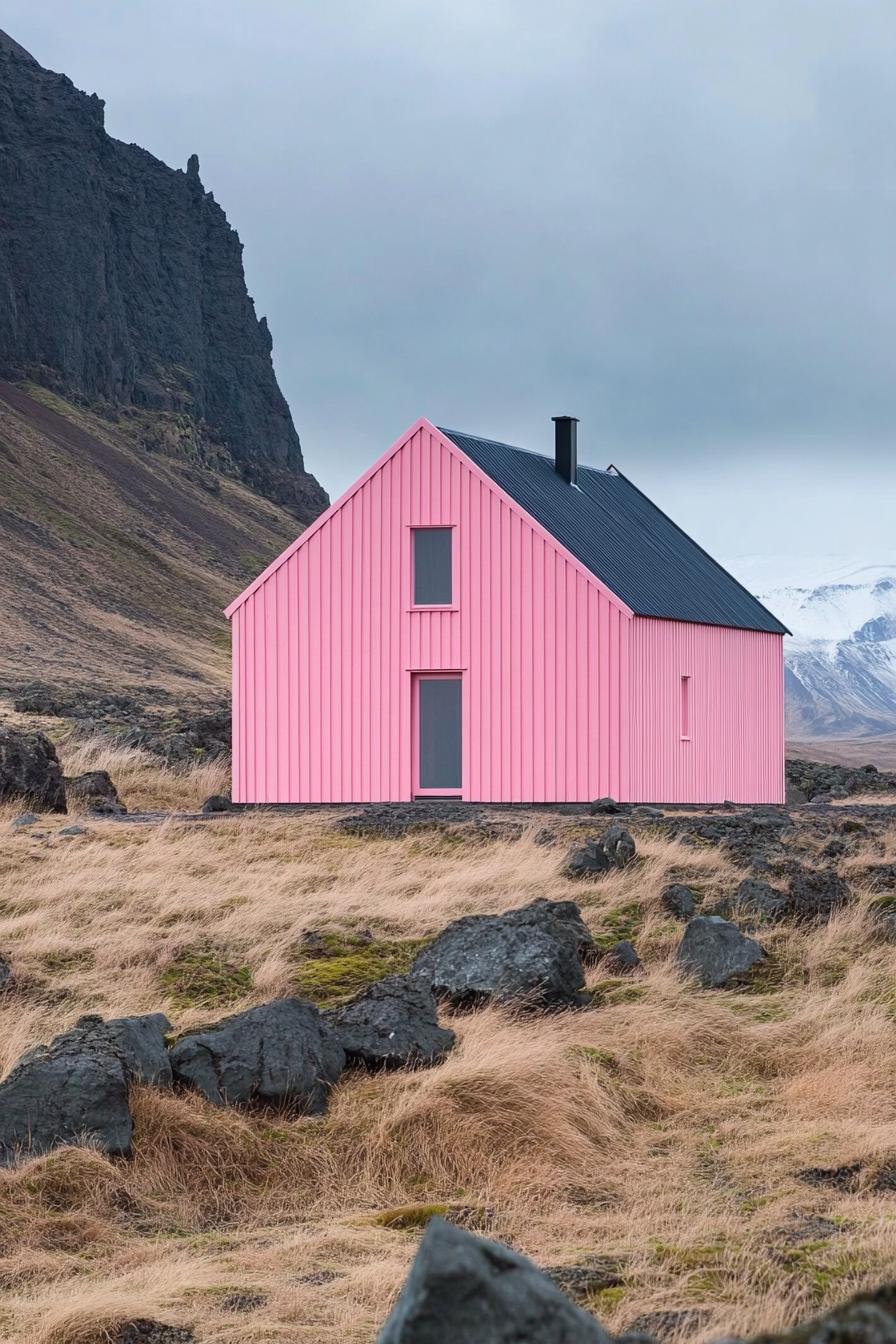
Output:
x=243 y=1301
x=461 y=1287
x=96 y=791
x=716 y=952
x=531 y=955
x=621 y=959
x=616 y=849
x=678 y=901
x=662 y=1325
x=867 y=1318
x=391 y=821
x=845 y=1178
x=150 y=1332
x=545 y=837
x=71 y=1092
x=29 y=768
x=649 y=813
x=7 y=979
x=804 y=1227
x=318 y=1277
x=813 y=778
x=218 y=802
x=392 y=1025
x=816 y=895
x=880 y=876
x=759 y=900
x=68 y=832
x=279 y=1054
x=581 y=1281
x=25 y=819
x=607 y=807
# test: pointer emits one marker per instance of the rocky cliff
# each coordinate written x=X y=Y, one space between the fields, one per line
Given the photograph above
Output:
x=121 y=282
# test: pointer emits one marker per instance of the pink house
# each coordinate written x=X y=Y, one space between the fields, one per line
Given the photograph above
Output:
x=474 y=621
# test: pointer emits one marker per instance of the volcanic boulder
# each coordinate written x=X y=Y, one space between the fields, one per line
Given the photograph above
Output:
x=716 y=952
x=30 y=769
x=392 y=1024
x=279 y=1054
x=463 y=1288
x=531 y=956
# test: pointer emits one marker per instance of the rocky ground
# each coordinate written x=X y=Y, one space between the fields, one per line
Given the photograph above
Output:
x=651 y=1051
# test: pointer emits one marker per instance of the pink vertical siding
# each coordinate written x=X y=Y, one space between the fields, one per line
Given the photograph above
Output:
x=325 y=646
x=735 y=745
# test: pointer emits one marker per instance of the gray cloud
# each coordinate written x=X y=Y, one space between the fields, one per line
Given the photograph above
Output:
x=674 y=218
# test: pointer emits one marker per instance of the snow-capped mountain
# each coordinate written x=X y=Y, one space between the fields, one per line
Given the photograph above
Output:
x=841 y=660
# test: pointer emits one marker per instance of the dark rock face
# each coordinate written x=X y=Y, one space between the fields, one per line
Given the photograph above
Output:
x=716 y=952
x=816 y=895
x=217 y=803
x=7 y=979
x=65 y=1093
x=279 y=1054
x=661 y=1325
x=97 y=791
x=758 y=900
x=393 y=1024
x=121 y=281
x=29 y=767
x=607 y=807
x=531 y=956
x=461 y=1287
x=138 y=1042
x=678 y=901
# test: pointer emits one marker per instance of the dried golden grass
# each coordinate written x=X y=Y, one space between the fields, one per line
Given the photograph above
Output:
x=666 y=1126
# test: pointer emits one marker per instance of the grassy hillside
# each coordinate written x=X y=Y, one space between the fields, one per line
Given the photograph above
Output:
x=119 y=551
x=662 y=1130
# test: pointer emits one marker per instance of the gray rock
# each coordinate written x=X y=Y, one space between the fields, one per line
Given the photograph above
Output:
x=615 y=849
x=648 y=813
x=464 y=1290
x=867 y=1318
x=7 y=979
x=279 y=1054
x=716 y=952
x=678 y=901
x=25 y=819
x=621 y=959
x=218 y=802
x=580 y=1281
x=815 y=895
x=29 y=768
x=662 y=1325
x=68 y=1093
x=69 y=832
x=96 y=791
x=531 y=955
x=606 y=807
x=756 y=900
x=392 y=1024
x=138 y=1042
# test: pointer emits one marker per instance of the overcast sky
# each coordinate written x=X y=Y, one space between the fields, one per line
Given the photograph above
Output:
x=675 y=219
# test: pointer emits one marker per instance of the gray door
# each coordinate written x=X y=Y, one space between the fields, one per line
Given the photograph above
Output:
x=439 y=732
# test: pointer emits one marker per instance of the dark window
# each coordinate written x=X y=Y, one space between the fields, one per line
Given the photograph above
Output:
x=432 y=566
x=440 y=732
x=685 y=706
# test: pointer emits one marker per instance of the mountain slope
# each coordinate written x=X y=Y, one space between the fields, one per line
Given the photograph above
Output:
x=841 y=661
x=121 y=283
x=117 y=562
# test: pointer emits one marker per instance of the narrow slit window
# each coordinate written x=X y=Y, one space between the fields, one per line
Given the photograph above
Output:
x=685 y=707
x=432 y=567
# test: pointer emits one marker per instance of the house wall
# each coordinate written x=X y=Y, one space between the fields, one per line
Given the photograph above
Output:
x=325 y=648
x=735 y=748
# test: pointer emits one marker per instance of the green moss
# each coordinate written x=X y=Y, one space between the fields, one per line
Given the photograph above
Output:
x=200 y=977
x=410 y=1216
x=592 y=1055
x=604 y=1299
x=343 y=965
x=820 y=1267
x=621 y=923
x=609 y=992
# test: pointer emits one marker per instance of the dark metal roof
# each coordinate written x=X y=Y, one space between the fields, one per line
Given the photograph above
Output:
x=622 y=538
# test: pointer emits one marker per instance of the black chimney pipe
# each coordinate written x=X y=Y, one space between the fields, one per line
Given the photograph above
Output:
x=565 y=447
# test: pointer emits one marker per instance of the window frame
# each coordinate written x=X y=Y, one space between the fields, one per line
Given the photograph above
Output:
x=685 y=707
x=451 y=529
